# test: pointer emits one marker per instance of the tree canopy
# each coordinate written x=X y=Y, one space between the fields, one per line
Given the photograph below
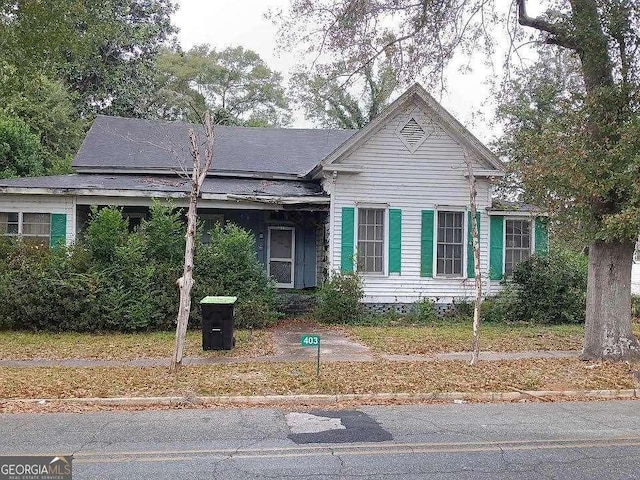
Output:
x=102 y=51
x=331 y=104
x=234 y=83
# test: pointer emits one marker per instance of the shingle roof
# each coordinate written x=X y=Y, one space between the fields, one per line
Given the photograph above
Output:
x=115 y=143
x=70 y=184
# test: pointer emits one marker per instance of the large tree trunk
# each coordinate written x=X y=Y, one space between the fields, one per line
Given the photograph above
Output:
x=608 y=327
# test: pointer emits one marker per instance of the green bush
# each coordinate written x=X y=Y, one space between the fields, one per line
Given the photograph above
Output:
x=544 y=289
x=227 y=265
x=498 y=308
x=552 y=288
x=126 y=281
x=422 y=312
x=338 y=300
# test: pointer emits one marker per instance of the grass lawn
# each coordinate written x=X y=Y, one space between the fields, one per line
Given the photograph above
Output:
x=120 y=346
x=300 y=378
x=445 y=337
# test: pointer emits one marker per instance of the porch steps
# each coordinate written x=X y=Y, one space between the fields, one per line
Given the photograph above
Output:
x=293 y=304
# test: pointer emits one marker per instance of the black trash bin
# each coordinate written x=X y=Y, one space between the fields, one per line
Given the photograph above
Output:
x=217 y=323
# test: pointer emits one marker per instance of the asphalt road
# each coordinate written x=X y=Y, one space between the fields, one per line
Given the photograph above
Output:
x=594 y=440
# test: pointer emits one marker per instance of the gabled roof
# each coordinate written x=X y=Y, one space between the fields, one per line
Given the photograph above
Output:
x=125 y=145
x=438 y=113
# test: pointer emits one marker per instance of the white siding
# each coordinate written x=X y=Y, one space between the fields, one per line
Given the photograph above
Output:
x=635 y=278
x=43 y=204
x=430 y=178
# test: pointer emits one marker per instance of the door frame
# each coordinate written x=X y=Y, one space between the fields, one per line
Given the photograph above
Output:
x=292 y=259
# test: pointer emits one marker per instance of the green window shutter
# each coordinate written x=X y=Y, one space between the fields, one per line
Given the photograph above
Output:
x=471 y=271
x=542 y=236
x=426 y=244
x=496 y=232
x=58 y=232
x=346 y=252
x=395 y=240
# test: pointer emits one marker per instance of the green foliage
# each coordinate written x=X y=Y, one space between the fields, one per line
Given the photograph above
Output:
x=338 y=300
x=234 y=83
x=49 y=108
x=423 y=312
x=227 y=265
x=329 y=103
x=107 y=231
x=20 y=150
x=498 y=308
x=548 y=290
x=116 y=280
x=104 y=51
x=635 y=306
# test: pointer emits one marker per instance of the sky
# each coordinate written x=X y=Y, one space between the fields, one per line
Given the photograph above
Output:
x=223 y=23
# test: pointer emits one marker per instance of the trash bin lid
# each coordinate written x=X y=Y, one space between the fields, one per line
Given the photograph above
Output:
x=219 y=300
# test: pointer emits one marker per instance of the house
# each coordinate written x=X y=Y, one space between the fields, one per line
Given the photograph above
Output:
x=390 y=201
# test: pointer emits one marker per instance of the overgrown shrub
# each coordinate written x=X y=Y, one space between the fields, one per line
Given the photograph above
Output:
x=544 y=289
x=125 y=281
x=552 y=288
x=227 y=265
x=422 y=311
x=338 y=300
x=499 y=307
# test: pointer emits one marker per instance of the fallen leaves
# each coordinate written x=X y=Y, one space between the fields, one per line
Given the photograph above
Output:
x=335 y=378
x=121 y=346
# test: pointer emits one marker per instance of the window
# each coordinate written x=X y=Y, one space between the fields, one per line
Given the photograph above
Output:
x=517 y=245
x=32 y=227
x=8 y=223
x=371 y=240
x=450 y=246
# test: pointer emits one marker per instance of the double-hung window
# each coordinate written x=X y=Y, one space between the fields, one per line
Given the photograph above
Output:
x=371 y=240
x=32 y=227
x=517 y=245
x=450 y=245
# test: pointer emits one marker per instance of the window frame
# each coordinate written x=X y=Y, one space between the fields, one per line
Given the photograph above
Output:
x=532 y=239
x=385 y=237
x=21 y=233
x=465 y=229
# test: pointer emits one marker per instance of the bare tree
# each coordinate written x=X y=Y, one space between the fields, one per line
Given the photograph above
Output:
x=475 y=236
x=185 y=283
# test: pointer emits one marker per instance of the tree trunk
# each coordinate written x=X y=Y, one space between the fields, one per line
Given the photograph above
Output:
x=198 y=175
x=186 y=282
x=608 y=327
x=473 y=194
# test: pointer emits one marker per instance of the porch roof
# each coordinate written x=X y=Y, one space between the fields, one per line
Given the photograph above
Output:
x=160 y=186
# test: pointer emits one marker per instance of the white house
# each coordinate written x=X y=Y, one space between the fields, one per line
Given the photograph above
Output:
x=390 y=201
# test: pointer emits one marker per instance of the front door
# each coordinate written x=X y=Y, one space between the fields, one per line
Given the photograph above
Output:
x=281 y=255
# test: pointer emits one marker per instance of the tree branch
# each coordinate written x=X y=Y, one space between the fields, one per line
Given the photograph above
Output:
x=558 y=34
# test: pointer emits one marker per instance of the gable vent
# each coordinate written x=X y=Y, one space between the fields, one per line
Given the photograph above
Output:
x=412 y=133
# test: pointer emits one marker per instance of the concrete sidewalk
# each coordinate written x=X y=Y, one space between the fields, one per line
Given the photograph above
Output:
x=308 y=355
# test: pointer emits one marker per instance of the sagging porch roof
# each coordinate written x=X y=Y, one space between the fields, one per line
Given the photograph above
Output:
x=169 y=186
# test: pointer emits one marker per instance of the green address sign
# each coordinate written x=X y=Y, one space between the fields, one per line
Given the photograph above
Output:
x=310 y=340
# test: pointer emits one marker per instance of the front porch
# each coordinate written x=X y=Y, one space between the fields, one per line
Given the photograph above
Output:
x=289 y=243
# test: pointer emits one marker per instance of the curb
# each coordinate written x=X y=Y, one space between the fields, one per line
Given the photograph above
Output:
x=545 y=395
